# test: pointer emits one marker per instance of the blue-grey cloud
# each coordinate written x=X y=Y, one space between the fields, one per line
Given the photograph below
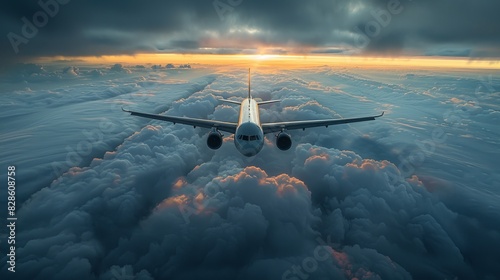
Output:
x=154 y=202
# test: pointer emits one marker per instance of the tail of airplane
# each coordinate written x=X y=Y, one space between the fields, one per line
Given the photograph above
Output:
x=250 y=95
x=259 y=102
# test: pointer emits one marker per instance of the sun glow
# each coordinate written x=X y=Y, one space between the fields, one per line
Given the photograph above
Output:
x=286 y=61
x=266 y=56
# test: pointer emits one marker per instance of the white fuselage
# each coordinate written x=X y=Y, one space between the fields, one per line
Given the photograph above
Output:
x=249 y=137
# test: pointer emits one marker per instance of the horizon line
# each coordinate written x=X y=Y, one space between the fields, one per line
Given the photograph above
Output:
x=282 y=60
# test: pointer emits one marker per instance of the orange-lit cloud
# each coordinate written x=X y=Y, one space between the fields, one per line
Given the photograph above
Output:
x=173 y=201
x=282 y=183
x=181 y=182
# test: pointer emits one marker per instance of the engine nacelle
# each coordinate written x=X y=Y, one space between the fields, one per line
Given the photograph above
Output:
x=283 y=141
x=214 y=140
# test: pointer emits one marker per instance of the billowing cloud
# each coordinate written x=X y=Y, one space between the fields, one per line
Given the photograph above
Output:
x=151 y=201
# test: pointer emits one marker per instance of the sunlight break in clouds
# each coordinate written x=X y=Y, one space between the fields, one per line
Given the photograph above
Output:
x=288 y=61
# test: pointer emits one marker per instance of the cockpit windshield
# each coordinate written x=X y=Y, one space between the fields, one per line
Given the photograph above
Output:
x=249 y=137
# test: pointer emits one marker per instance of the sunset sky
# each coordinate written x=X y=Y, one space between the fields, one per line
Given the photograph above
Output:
x=453 y=33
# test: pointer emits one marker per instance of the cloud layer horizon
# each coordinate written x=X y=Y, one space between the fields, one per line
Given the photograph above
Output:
x=104 y=195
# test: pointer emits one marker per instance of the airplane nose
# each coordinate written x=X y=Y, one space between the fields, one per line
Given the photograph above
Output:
x=249 y=154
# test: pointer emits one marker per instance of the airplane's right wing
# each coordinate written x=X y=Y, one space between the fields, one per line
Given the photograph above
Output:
x=223 y=126
x=279 y=126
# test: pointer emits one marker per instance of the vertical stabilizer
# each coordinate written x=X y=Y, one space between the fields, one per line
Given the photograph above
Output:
x=249 y=96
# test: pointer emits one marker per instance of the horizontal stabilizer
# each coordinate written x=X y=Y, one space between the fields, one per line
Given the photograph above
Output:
x=268 y=102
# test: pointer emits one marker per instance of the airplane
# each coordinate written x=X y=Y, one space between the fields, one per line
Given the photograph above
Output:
x=249 y=131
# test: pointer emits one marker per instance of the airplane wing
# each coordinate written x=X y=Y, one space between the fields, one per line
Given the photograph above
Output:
x=223 y=126
x=279 y=126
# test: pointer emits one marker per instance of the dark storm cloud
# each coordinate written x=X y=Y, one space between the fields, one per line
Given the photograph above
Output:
x=126 y=27
x=426 y=24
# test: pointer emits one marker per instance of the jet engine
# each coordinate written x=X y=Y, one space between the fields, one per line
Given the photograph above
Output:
x=283 y=141
x=214 y=140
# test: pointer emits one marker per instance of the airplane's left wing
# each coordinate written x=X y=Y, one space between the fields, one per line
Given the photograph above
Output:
x=279 y=126
x=223 y=126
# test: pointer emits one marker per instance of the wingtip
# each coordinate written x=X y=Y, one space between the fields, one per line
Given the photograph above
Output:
x=125 y=110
